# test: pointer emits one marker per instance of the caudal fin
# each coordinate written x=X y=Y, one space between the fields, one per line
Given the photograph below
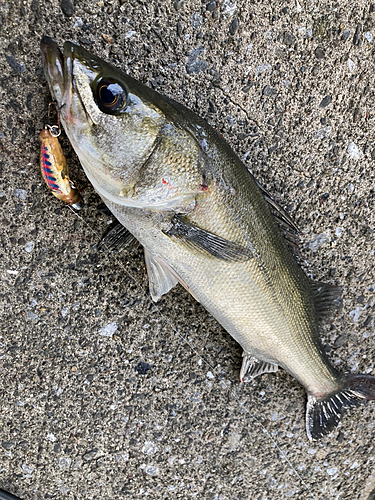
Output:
x=323 y=414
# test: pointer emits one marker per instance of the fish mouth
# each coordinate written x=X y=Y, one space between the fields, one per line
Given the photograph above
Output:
x=58 y=70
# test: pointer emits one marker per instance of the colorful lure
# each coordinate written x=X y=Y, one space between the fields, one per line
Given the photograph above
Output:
x=55 y=169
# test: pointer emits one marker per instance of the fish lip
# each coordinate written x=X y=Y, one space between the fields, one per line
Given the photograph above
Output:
x=58 y=69
x=54 y=65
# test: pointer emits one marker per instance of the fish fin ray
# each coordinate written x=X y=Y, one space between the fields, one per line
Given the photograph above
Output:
x=118 y=239
x=252 y=367
x=160 y=278
x=279 y=212
x=327 y=298
x=210 y=243
x=323 y=414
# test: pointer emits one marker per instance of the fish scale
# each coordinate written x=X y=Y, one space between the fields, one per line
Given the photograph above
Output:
x=204 y=222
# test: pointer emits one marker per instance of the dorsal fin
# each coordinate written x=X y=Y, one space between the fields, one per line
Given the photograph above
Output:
x=327 y=298
x=286 y=224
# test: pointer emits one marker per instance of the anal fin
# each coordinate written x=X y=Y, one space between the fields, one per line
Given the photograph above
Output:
x=252 y=367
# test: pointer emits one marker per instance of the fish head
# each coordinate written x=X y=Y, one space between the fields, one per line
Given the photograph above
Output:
x=110 y=119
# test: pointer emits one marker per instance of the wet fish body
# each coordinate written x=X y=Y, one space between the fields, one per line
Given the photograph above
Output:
x=203 y=221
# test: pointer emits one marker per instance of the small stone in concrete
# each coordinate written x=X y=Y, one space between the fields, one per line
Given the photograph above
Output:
x=325 y=101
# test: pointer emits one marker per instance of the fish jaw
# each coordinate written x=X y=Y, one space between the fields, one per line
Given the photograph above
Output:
x=58 y=70
x=53 y=65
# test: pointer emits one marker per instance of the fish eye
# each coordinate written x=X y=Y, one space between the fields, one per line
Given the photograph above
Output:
x=111 y=96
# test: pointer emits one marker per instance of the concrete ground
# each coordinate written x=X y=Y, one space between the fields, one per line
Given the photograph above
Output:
x=104 y=394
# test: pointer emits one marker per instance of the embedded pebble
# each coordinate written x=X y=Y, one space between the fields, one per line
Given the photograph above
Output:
x=31 y=316
x=78 y=23
x=355 y=314
x=142 y=368
x=27 y=468
x=351 y=65
x=269 y=91
x=233 y=26
x=64 y=462
x=325 y=101
x=193 y=64
x=263 y=67
x=51 y=437
x=339 y=231
x=322 y=133
x=196 y=21
x=368 y=36
x=151 y=470
x=228 y=8
x=20 y=193
x=211 y=6
x=354 y=151
x=67 y=8
x=345 y=35
x=108 y=330
x=129 y=34
x=319 y=53
x=29 y=247
x=64 y=312
x=8 y=445
x=149 y=448
x=332 y=471
x=178 y=4
x=357 y=35
x=317 y=242
x=91 y=455
x=234 y=439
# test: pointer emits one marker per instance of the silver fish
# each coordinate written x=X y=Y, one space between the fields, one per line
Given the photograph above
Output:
x=203 y=221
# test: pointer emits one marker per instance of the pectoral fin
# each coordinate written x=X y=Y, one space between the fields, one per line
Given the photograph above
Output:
x=205 y=241
x=252 y=367
x=118 y=239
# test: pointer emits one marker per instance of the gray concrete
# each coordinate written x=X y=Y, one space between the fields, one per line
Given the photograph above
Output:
x=291 y=87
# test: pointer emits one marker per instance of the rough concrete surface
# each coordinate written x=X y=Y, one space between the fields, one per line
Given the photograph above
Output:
x=104 y=394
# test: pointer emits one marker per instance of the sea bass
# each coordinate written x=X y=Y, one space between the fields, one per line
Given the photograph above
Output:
x=203 y=221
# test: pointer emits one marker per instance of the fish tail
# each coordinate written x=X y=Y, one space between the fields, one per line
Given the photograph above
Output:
x=323 y=414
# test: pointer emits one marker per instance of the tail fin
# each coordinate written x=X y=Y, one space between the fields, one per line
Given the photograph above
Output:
x=323 y=414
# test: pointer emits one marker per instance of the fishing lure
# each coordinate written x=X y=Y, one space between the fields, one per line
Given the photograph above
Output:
x=55 y=169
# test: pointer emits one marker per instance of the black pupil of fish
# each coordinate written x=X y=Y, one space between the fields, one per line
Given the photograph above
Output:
x=111 y=94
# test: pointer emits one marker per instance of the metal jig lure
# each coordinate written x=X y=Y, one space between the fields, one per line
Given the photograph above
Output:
x=54 y=167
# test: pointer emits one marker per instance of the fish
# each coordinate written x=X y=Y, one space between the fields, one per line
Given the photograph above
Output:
x=55 y=169
x=178 y=188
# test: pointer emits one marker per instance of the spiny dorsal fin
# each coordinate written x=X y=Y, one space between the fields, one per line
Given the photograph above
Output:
x=286 y=224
